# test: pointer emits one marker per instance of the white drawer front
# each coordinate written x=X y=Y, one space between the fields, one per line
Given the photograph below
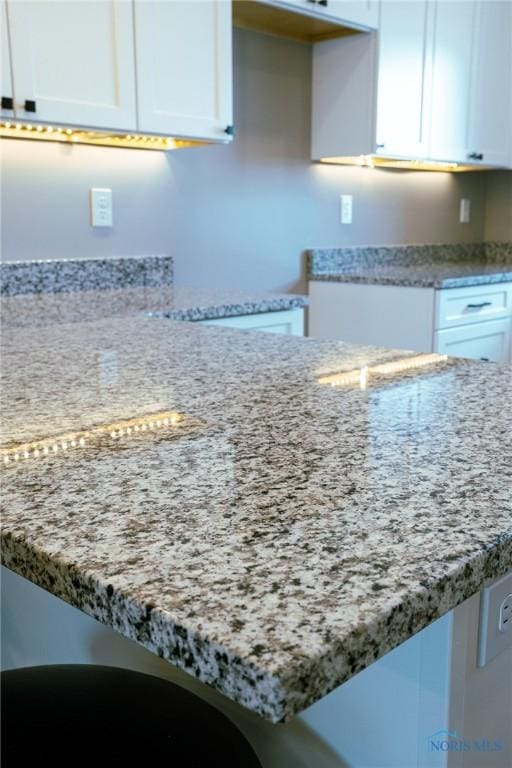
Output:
x=481 y=341
x=458 y=306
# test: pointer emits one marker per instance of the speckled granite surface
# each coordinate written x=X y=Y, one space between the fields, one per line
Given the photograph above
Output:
x=68 y=275
x=429 y=266
x=45 y=292
x=284 y=533
x=203 y=304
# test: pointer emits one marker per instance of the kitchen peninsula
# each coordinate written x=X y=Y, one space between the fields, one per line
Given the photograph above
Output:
x=245 y=506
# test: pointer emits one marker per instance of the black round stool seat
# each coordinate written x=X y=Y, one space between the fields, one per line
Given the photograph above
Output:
x=68 y=715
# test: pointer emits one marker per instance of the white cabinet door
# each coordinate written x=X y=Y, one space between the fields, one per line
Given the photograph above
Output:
x=482 y=341
x=453 y=40
x=360 y=13
x=364 y=13
x=7 y=90
x=490 y=112
x=405 y=40
x=184 y=67
x=74 y=60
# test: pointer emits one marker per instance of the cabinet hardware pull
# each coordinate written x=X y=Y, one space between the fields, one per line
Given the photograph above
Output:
x=230 y=130
x=7 y=102
x=30 y=105
x=323 y=2
x=380 y=146
x=485 y=360
x=475 y=156
x=479 y=306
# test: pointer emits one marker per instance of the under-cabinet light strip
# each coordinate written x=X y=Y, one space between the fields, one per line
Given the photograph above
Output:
x=376 y=161
x=61 y=443
x=67 y=135
x=360 y=376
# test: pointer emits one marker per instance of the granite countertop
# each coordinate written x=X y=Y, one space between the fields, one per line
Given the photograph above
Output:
x=76 y=290
x=423 y=266
x=187 y=303
x=219 y=498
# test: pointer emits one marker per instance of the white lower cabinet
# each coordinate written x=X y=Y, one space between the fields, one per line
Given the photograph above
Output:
x=473 y=322
x=288 y=321
x=488 y=341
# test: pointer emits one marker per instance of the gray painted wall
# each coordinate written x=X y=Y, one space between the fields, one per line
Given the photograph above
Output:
x=237 y=216
x=498 y=209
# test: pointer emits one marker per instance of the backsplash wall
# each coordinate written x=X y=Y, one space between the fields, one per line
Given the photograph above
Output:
x=242 y=215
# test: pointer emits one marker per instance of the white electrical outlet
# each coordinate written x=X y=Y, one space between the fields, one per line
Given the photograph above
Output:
x=465 y=210
x=346 y=209
x=506 y=614
x=101 y=207
x=495 y=631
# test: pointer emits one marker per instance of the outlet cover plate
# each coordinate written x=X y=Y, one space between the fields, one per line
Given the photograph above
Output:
x=492 y=640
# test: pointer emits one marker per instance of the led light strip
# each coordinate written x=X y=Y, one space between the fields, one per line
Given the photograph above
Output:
x=16 y=130
x=360 y=376
x=376 y=161
x=51 y=446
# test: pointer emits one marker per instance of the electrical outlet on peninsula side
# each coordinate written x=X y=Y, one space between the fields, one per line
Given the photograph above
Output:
x=495 y=630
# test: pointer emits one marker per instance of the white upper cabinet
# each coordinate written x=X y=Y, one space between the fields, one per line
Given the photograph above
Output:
x=364 y=13
x=453 y=44
x=370 y=91
x=73 y=62
x=360 y=12
x=403 y=79
x=489 y=138
x=184 y=67
x=434 y=83
x=7 y=90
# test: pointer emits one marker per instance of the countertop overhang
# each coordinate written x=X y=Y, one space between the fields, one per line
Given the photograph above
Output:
x=285 y=529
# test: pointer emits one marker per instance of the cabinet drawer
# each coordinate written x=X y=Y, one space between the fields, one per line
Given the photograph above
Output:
x=458 y=306
x=480 y=341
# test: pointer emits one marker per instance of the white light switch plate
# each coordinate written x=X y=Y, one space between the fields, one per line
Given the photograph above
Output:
x=495 y=630
x=101 y=207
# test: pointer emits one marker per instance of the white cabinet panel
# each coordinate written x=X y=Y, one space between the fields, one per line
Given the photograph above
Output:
x=344 y=94
x=472 y=322
x=453 y=42
x=7 y=90
x=490 y=112
x=481 y=341
x=386 y=315
x=184 y=67
x=403 y=84
x=290 y=321
x=75 y=60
